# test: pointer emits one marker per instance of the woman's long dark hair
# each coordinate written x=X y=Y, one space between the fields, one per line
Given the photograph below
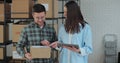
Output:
x=74 y=18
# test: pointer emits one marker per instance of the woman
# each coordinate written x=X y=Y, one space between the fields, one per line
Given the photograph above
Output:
x=74 y=31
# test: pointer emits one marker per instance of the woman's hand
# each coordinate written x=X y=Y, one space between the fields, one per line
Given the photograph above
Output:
x=72 y=48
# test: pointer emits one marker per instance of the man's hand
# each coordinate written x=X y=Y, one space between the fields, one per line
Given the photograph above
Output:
x=45 y=43
x=54 y=44
x=28 y=56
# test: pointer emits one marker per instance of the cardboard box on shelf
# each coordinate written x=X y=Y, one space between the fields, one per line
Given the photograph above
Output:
x=16 y=30
x=51 y=8
x=5 y=9
x=22 y=9
x=1 y=53
x=2 y=39
x=40 y=51
x=1 y=34
x=15 y=61
x=15 y=55
x=27 y=15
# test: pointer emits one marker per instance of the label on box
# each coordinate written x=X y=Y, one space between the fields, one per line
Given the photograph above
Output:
x=16 y=55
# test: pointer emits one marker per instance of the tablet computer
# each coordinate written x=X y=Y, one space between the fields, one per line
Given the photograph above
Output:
x=69 y=45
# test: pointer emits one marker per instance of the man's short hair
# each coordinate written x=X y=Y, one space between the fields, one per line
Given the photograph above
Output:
x=38 y=8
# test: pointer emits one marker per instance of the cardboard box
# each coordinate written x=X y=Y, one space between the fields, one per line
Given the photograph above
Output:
x=40 y=51
x=2 y=39
x=15 y=61
x=21 y=15
x=1 y=53
x=14 y=48
x=22 y=9
x=4 y=9
x=1 y=12
x=16 y=30
x=51 y=8
x=16 y=58
x=15 y=55
x=1 y=34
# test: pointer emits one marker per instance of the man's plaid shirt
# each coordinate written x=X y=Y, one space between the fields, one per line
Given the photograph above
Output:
x=32 y=35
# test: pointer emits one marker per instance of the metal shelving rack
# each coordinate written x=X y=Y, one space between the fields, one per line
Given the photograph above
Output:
x=5 y=30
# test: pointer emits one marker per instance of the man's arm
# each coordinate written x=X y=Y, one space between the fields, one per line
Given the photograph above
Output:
x=20 y=47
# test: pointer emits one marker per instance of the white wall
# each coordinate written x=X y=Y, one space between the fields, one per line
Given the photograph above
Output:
x=104 y=18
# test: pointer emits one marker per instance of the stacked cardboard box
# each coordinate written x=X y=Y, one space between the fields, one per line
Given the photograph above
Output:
x=16 y=30
x=51 y=7
x=15 y=61
x=2 y=39
x=1 y=34
x=22 y=9
x=15 y=55
x=1 y=53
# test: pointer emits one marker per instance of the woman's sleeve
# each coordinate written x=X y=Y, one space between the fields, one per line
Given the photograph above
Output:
x=87 y=48
x=59 y=37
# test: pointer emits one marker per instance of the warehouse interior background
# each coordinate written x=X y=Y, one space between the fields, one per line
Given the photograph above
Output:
x=104 y=18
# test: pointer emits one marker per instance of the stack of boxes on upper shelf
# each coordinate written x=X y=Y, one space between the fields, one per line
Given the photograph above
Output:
x=21 y=9
x=110 y=41
x=25 y=10
x=51 y=7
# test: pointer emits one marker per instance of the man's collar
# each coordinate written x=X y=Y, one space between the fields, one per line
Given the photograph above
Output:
x=35 y=24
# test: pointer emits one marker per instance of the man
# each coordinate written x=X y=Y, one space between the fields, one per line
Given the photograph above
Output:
x=35 y=34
